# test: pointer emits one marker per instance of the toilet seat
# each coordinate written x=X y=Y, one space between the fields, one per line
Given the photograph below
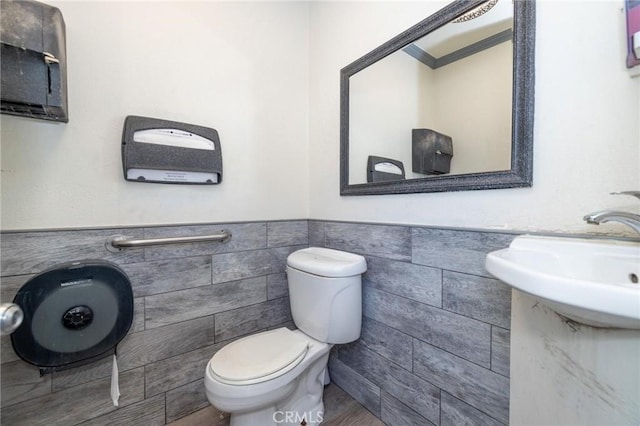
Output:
x=259 y=357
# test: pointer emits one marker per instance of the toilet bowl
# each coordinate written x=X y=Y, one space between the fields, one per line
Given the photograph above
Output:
x=259 y=400
x=278 y=376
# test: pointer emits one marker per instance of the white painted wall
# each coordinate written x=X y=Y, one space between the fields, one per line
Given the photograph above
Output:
x=386 y=101
x=266 y=76
x=587 y=140
x=477 y=91
x=241 y=68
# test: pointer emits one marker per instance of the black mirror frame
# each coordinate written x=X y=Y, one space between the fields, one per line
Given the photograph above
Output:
x=521 y=172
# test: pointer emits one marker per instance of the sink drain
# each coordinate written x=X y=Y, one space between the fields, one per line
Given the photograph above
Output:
x=633 y=278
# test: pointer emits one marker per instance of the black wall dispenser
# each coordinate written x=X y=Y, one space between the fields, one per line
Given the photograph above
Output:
x=162 y=151
x=33 y=61
x=74 y=313
x=431 y=152
x=381 y=169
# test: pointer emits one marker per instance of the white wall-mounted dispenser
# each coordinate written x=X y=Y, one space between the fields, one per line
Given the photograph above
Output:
x=162 y=151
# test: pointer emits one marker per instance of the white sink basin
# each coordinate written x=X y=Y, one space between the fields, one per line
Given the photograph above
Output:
x=594 y=282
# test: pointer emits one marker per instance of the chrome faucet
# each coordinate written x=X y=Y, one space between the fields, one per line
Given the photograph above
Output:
x=630 y=219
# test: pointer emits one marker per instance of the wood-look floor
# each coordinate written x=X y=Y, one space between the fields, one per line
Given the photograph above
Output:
x=340 y=410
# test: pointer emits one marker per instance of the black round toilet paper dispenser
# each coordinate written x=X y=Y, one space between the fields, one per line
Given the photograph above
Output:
x=73 y=313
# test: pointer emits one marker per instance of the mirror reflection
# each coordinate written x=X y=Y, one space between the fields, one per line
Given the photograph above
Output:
x=441 y=105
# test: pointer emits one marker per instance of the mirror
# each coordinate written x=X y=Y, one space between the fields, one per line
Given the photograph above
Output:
x=445 y=106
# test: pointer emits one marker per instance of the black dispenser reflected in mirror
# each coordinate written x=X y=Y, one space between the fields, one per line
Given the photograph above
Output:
x=431 y=152
x=381 y=169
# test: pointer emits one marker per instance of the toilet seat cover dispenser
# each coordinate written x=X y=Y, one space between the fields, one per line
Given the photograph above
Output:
x=259 y=355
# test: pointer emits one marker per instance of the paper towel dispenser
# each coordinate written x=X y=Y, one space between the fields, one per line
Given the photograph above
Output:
x=431 y=152
x=33 y=60
x=162 y=151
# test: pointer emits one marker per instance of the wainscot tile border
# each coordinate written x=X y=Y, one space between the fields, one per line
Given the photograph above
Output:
x=402 y=370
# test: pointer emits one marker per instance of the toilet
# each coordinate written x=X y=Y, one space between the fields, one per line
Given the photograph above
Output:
x=277 y=377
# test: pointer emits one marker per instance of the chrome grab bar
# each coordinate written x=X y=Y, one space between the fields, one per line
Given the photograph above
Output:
x=117 y=243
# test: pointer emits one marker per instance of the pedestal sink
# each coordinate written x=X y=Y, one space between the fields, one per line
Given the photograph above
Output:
x=591 y=281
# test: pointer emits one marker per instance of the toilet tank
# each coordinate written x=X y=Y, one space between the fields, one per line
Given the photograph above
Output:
x=325 y=292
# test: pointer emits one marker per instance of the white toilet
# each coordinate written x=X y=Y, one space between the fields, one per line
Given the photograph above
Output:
x=278 y=376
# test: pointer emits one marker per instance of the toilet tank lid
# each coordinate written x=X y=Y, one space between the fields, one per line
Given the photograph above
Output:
x=327 y=262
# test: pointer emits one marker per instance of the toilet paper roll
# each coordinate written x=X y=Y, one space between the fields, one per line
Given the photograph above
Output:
x=115 y=388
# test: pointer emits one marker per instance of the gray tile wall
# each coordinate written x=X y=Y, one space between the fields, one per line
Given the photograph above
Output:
x=434 y=347
x=190 y=300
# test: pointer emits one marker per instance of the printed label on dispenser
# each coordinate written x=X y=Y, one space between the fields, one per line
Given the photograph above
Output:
x=171 y=176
